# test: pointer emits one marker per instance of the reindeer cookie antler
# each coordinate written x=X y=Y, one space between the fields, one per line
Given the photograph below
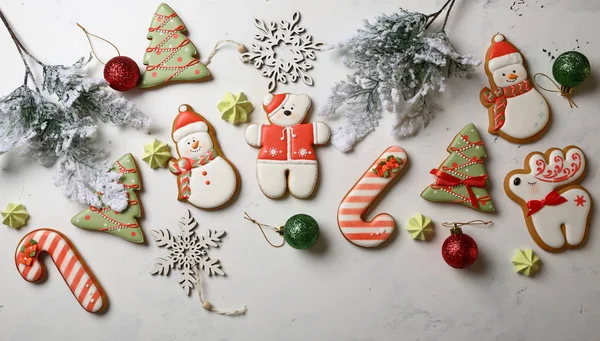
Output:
x=555 y=207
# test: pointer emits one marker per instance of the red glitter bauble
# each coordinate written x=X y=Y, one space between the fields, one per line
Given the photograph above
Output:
x=459 y=250
x=122 y=73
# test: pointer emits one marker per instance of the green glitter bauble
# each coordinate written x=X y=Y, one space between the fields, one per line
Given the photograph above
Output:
x=571 y=69
x=301 y=231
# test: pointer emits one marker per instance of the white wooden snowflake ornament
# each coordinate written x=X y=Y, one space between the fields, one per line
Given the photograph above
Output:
x=187 y=252
x=275 y=64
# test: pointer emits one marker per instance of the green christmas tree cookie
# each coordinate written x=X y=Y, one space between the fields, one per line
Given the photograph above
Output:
x=171 y=56
x=462 y=178
x=121 y=224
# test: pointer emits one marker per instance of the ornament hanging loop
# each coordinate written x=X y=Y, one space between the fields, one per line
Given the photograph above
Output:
x=455 y=227
x=564 y=91
x=240 y=47
x=261 y=226
x=88 y=34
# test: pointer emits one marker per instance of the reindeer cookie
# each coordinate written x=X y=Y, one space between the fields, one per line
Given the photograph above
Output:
x=556 y=209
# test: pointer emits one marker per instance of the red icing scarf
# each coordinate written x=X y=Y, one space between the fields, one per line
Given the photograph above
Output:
x=552 y=199
x=183 y=169
x=498 y=98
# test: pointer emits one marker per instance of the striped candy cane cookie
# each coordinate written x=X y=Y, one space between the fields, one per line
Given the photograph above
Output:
x=379 y=176
x=75 y=272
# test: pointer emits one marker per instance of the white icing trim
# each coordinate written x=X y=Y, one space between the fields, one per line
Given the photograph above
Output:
x=287 y=98
x=259 y=134
x=498 y=37
x=300 y=162
x=502 y=61
x=195 y=127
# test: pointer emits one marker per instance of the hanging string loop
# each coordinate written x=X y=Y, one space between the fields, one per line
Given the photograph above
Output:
x=240 y=47
x=472 y=222
x=209 y=306
x=564 y=91
x=88 y=34
x=261 y=226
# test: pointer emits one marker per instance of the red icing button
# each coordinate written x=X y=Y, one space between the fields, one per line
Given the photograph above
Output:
x=207 y=182
x=197 y=71
x=133 y=234
x=204 y=173
x=87 y=217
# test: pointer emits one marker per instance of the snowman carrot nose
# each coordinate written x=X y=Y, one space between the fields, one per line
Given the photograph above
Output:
x=195 y=144
x=512 y=76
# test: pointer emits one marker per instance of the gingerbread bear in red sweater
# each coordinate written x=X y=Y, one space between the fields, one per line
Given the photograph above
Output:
x=287 y=158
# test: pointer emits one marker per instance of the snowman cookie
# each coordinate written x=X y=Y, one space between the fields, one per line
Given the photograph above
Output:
x=517 y=111
x=205 y=178
x=556 y=209
x=287 y=158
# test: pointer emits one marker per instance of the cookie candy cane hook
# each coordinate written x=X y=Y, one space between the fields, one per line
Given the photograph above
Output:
x=375 y=180
x=77 y=275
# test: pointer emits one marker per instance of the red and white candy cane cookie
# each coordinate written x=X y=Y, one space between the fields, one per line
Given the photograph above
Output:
x=77 y=275
x=358 y=200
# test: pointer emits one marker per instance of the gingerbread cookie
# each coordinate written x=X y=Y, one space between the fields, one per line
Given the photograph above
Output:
x=462 y=178
x=556 y=209
x=122 y=224
x=171 y=56
x=287 y=158
x=517 y=111
x=205 y=178
x=362 y=196
x=79 y=278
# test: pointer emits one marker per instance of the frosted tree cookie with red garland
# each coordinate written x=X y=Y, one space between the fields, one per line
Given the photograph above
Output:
x=287 y=158
x=171 y=56
x=122 y=224
x=517 y=111
x=462 y=178
x=556 y=209
x=205 y=178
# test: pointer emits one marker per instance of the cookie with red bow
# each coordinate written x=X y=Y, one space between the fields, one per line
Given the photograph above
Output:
x=462 y=178
x=555 y=207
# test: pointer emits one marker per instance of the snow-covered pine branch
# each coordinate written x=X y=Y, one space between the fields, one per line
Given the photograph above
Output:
x=397 y=66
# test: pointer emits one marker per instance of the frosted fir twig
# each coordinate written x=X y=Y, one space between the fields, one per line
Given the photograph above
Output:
x=398 y=66
x=65 y=132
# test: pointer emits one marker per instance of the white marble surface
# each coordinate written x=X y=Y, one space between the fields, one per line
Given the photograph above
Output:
x=335 y=291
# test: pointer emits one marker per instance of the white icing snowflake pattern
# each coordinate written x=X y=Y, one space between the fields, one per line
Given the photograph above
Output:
x=303 y=152
x=273 y=151
x=277 y=68
x=187 y=252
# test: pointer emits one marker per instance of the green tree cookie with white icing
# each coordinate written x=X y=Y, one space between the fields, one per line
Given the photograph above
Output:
x=462 y=178
x=171 y=56
x=121 y=224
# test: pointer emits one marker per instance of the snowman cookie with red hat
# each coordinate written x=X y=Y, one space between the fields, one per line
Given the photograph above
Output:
x=205 y=178
x=517 y=111
x=287 y=159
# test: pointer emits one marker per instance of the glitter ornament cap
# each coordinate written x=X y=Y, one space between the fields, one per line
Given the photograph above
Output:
x=526 y=262
x=14 y=216
x=157 y=154
x=419 y=227
x=235 y=108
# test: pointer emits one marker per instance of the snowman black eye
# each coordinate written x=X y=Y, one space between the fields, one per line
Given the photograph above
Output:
x=503 y=74
x=189 y=143
x=514 y=71
x=517 y=181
